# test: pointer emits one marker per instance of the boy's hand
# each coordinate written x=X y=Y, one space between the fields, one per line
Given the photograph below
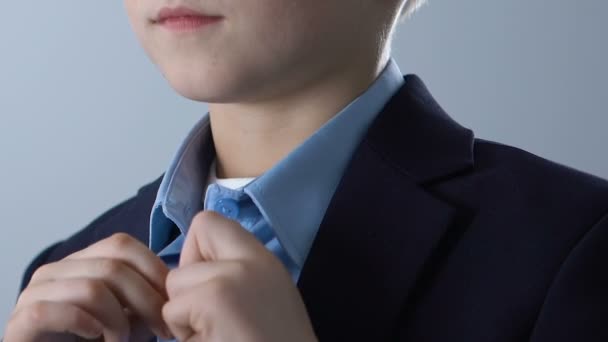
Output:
x=229 y=287
x=103 y=290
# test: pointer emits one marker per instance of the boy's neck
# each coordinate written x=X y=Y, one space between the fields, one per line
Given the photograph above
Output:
x=250 y=138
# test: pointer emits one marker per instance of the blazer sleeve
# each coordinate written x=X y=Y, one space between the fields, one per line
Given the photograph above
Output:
x=78 y=241
x=37 y=262
x=576 y=306
x=131 y=216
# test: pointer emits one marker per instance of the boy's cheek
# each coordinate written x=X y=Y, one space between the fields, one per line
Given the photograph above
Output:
x=260 y=42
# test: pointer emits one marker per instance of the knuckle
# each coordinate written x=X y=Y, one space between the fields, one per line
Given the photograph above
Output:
x=79 y=318
x=27 y=297
x=92 y=290
x=170 y=281
x=40 y=272
x=36 y=313
x=204 y=217
x=110 y=268
x=167 y=311
x=170 y=313
x=219 y=289
x=120 y=241
x=22 y=298
x=204 y=325
x=241 y=269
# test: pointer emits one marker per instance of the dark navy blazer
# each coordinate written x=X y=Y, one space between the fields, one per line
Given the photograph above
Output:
x=464 y=240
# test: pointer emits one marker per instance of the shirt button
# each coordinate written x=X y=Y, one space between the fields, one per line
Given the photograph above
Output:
x=228 y=207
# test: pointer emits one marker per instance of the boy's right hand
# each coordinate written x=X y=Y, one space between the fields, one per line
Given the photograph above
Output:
x=99 y=291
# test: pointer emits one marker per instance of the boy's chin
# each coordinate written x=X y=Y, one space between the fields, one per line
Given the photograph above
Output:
x=214 y=90
x=196 y=94
x=200 y=90
x=208 y=94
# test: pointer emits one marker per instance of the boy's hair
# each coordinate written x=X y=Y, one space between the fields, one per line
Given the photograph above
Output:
x=411 y=6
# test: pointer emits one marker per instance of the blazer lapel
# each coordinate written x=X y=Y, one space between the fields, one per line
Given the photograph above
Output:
x=383 y=225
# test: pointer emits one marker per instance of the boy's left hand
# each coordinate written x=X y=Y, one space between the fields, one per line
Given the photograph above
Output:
x=229 y=287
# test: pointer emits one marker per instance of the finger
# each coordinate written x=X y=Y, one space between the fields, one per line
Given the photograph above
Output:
x=140 y=331
x=33 y=322
x=89 y=295
x=128 y=286
x=185 y=278
x=213 y=237
x=132 y=252
x=179 y=315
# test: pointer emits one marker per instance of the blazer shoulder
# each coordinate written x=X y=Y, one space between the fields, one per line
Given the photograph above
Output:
x=539 y=181
x=523 y=162
x=130 y=216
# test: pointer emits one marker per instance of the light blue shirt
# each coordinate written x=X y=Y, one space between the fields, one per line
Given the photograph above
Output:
x=292 y=196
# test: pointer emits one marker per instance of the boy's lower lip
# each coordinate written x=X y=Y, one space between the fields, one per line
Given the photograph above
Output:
x=188 y=23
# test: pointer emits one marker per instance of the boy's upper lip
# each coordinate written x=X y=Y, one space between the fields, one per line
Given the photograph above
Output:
x=180 y=11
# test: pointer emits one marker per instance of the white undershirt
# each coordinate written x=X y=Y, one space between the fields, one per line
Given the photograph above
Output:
x=230 y=183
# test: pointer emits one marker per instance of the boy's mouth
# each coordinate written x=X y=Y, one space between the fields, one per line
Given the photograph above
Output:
x=183 y=19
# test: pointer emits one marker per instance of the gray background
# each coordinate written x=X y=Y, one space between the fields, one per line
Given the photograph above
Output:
x=85 y=118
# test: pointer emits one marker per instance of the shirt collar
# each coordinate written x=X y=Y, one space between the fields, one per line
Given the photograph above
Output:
x=295 y=193
x=179 y=196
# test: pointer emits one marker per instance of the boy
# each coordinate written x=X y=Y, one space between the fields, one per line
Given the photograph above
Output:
x=341 y=203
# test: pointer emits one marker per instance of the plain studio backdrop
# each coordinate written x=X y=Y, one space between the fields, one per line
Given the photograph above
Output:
x=86 y=119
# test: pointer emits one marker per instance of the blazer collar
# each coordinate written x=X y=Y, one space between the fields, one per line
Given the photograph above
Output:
x=382 y=225
x=417 y=137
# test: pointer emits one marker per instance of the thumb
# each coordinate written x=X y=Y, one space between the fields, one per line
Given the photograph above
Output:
x=212 y=237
